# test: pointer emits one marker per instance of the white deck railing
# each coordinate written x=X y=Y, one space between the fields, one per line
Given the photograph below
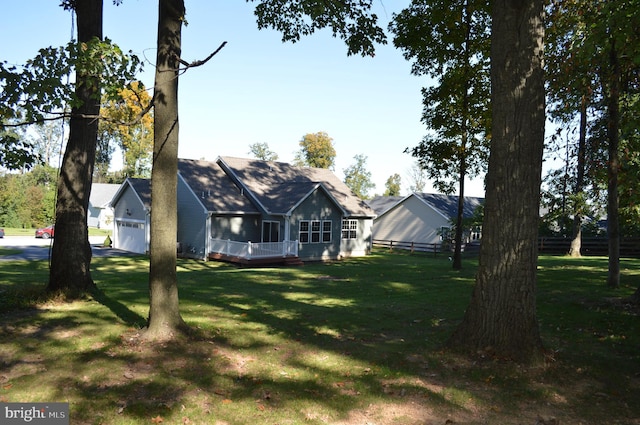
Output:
x=251 y=250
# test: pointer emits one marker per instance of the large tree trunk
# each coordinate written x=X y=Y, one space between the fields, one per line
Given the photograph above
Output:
x=164 y=311
x=501 y=317
x=613 y=136
x=71 y=255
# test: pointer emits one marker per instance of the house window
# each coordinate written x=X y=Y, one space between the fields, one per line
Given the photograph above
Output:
x=315 y=231
x=304 y=232
x=270 y=231
x=445 y=233
x=326 y=231
x=349 y=229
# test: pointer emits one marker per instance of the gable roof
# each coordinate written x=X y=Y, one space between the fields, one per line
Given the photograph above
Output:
x=279 y=187
x=382 y=204
x=102 y=193
x=446 y=205
x=213 y=187
x=141 y=188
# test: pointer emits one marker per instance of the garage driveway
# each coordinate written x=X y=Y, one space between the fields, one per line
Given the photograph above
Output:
x=32 y=248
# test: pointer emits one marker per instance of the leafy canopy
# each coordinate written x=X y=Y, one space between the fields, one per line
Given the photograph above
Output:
x=350 y=20
x=316 y=150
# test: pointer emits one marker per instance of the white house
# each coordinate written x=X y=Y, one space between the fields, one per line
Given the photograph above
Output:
x=421 y=218
x=100 y=213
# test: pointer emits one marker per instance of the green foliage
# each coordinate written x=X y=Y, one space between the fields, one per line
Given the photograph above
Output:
x=392 y=185
x=40 y=89
x=449 y=41
x=585 y=42
x=262 y=151
x=358 y=178
x=316 y=150
x=350 y=20
x=128 y=124
x=28 y=200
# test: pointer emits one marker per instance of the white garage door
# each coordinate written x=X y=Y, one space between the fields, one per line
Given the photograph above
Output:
x=131 y=237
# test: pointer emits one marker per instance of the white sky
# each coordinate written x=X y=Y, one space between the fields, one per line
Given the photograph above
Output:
x=258 y=89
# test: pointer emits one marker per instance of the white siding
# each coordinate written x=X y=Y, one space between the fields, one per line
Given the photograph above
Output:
x=410 y=221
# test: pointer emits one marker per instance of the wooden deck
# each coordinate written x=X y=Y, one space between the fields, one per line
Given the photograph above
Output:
x=289 y=260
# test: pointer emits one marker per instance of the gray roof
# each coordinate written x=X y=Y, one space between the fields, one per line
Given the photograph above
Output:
x=232 y=185
x=143 y=188
x=447 y=205
x=382 y=204
x=102 y=193
x=217 y=192
x=278 y=186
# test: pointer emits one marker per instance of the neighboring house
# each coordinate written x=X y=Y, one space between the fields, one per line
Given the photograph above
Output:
x=236 y=207
x=421 y=218
x=131 y=208
x=100 y=213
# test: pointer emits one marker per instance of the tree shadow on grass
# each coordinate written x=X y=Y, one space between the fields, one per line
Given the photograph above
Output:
x=128 y=316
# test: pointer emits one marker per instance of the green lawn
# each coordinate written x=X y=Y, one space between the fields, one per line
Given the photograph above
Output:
x=13 y=231
x=351 y=342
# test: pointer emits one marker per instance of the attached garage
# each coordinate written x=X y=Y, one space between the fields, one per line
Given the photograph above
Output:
x=131 y=210
x=130 y=236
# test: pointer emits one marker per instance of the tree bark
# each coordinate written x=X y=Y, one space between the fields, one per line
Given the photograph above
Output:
x=501 y=317
x=457 y=254
x=576 y=242
x=165 y=321
x=71 y=255
x=613 y=136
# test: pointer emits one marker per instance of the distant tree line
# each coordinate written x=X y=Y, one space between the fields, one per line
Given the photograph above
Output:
x=28 y=200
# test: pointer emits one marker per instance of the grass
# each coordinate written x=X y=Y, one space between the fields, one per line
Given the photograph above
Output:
x=14 y=231
x=352 y=342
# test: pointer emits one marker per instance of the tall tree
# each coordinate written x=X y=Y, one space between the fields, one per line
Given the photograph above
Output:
x=351 y=20
x=392 y=185
x=501 y=317
x=262 y=151
x=417 y=178
x=594 y=62
x=358 y=178
x=449 y=40
x=71 y=253
x=164 y=310
x=128 y=126
x=316 y=150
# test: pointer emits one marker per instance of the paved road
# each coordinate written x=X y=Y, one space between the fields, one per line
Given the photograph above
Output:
x=32 y=248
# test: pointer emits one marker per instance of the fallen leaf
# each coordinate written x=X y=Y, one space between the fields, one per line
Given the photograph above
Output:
x=7 y=387
x=157 y=420
x=226 y=401
x=261 y=407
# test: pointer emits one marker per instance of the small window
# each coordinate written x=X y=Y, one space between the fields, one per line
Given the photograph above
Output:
x=326 y=231
x=304 y=231
x=315 y=231
x=349 y=229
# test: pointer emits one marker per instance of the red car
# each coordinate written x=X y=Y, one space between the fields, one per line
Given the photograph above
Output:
x=45 y=232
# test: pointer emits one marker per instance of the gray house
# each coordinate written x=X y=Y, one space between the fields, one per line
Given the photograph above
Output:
x=422 y=218
x=246 y=209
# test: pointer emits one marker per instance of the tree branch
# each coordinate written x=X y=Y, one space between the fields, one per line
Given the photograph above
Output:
x=194 y=64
